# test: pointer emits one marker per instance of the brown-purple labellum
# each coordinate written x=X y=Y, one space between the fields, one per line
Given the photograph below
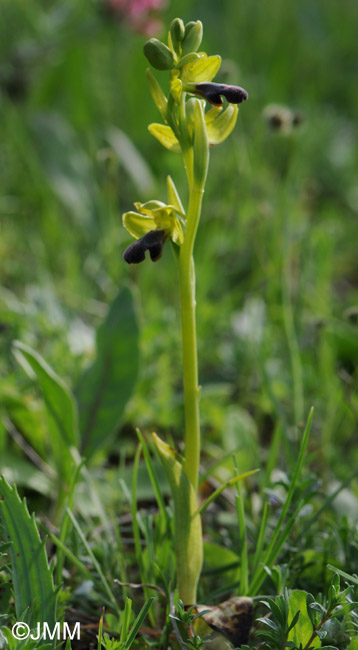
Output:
x=232 y=618
x=152 y=241
x=212 y=92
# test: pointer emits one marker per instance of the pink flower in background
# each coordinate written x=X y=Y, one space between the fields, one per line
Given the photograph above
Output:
x=140 y=14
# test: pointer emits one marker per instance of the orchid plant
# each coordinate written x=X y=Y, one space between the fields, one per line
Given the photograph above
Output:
x=196 y=113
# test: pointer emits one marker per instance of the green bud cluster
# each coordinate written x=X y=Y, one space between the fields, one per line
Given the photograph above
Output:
x=182 y=40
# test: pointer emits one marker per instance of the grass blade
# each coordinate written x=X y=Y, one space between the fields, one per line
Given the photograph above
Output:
x=96 y=564
x=153 y=478
x=138 y=622
x=261 y=536
x=223 y=487
x=65 y=524
x=276 y=539
x=244 y=565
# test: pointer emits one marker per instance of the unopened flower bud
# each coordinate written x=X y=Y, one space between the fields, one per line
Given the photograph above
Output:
x=158 y=54
x=193 y=37
x=177 y=31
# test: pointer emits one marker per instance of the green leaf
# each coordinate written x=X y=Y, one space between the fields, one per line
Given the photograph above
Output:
x=221 y=561
x=35 y=597
x=60 y=405
x=343 y=574
x=17 y=469
x=137 y=623
x=188 y=534
x=301 y=633
x=165 y=136
x=107 y=385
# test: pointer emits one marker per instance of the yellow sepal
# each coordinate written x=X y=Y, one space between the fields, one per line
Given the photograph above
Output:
x=204 y=69
x=165 y=136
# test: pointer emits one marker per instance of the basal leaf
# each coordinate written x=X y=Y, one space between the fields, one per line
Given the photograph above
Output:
x=108 y=383
x=221 y=561
x=188 y=534
x=60 y=405
x=35 y=597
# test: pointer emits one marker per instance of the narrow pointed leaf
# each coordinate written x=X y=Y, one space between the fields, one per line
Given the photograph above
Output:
x=158 y=96
x=60 y=405
x=173 y=196
x=35 y=597
x=58 y=398
x=188 y=534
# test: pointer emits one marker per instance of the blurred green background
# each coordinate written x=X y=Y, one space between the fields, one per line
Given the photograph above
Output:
x=276 y=254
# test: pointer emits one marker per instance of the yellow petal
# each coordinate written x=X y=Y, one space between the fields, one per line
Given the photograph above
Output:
x=166 y=219
x=212 y=114
x=203 y=69
x=148 y=206
x=165 y=136
x=176 y=89
x=138 y=224
x=220 y=128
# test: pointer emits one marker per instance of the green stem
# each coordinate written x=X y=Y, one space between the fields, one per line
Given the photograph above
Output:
x=190 y=361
